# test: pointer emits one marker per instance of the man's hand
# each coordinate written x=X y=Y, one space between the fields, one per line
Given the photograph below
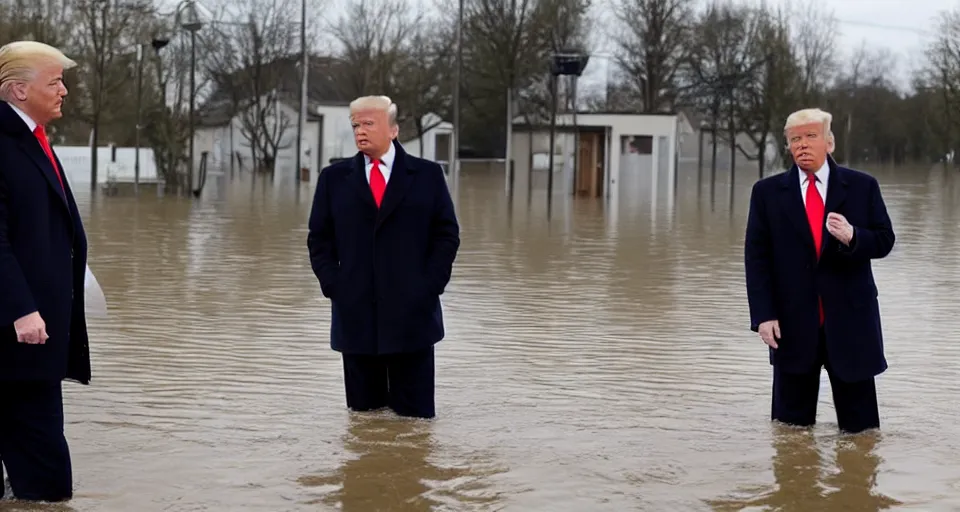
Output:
x=838 y=226
x=770 y=332
x=31 y=329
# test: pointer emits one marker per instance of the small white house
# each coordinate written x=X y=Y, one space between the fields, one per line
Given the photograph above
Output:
x=435 y=144
x=619 y=154
x=327 y=128
x=327 y=135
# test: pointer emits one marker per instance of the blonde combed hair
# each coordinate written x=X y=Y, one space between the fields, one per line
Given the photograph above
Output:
x=812 y=116
x=378 y=103
x=19 y=61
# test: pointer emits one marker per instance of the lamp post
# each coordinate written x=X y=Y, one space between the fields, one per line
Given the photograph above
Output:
x=157 y=44
x=457 y=80
x=304 y=76
x=564 y=63
x=188 y=16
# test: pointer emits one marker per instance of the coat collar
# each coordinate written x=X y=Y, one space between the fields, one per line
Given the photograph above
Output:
x=13 y=125
x=397 y=187
x=796 y=210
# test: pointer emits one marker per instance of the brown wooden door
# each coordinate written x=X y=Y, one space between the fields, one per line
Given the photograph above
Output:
x=589 y=170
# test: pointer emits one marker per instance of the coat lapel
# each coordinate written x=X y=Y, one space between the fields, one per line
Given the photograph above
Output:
x=793 y=206
x=11 y=123
x=400 y=179
x=836 y=196
x=360 y=185
x=35 y=151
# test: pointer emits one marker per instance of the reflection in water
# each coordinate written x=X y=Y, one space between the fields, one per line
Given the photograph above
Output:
x=805 y=480
x=10 y=505
x=20 y=506
x=391 y=470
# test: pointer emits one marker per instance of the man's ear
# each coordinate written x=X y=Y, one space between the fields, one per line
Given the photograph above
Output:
x=19 y=91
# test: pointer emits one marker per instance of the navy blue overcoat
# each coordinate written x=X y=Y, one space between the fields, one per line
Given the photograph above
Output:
x=784 y=276
x=43 y=258
x=385 y=268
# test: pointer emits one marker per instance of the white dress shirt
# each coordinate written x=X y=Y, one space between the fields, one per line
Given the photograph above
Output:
x=821 y=175
x=31 y=124
x=386 y=164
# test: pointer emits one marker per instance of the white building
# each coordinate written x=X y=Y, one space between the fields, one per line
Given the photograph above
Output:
x=435 y=144
x=619 y=155
x=327 y=135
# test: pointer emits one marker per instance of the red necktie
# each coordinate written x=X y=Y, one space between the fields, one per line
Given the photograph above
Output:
x=41 y=135
x=815 y=218
x=377 y=183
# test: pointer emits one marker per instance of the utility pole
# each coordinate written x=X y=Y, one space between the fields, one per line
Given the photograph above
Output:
x=304 y=73
x=455 y=171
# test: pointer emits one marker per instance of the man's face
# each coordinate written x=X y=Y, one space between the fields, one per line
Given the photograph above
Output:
x=42 y=97
x=809 y=146
x=373 y=132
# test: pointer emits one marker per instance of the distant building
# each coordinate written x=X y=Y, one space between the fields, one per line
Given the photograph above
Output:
x=435 y=144
x=327 y=134
x=692 y=126
x=619 y=153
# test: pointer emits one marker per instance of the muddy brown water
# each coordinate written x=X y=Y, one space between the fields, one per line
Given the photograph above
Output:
x=595 y=360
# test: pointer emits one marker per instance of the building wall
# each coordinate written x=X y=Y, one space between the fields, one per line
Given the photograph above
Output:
x=337 y=134
x=624 y=172
x=689 y=154
x=117 y=165
x=337 y=141
x=430 y=149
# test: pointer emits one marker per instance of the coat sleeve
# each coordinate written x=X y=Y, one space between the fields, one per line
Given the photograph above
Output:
x=444 y=234
x=16 y=301
x=758 y=262
x=321 y=240
x=876 y=239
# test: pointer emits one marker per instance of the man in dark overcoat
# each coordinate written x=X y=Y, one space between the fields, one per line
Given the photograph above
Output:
x=383 y=237
x=43 y=258
x=812 y=235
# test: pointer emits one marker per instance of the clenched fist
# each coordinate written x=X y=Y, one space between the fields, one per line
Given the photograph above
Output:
x=31 y=329
x=838 y=226
x=770 y=332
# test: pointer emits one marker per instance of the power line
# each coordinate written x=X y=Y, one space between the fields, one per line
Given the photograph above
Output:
x=918 y=31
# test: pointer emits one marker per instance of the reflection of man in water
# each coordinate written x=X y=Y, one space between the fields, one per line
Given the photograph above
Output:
x=799 y=469
x=391 y=468
x=811 y=235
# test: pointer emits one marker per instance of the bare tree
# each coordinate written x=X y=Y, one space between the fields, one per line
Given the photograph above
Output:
x=25 y=19
x=651 y=48
x=770 y=91
x=507 y=45
x=375 y=36
x=814 y=41
x=107 y=33
x=252 y=66
x=423 y=77
x=943 y=75
x=721 y=64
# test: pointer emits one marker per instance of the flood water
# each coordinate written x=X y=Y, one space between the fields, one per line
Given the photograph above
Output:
x=599 y=360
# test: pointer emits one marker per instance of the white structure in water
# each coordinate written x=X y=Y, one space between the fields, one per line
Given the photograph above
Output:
x=619 y=156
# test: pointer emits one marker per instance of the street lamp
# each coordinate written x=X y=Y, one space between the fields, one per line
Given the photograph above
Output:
x=457 y=82
x=157 y=44
x=564 y=63
x=188 y=17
